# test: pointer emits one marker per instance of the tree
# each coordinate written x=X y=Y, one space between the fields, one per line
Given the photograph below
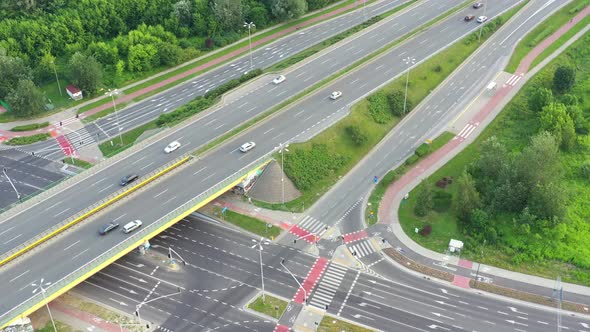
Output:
x=493 y=158
x=26 y=99
x=479 y=220
x=538 y=162
x=12 y=70
x=396 y=103
x=539 y=98
x=379 y=107
x=169 y=54
x=86 y=72
x=356 y=135
x=555 y=119
x=228 y=14
x=424 y=201
x=548 y=201
x=44 y=71
x=467 y=197
x=104 y=53
x=141 y=57
x=564 y=79
x=288 y=9
x=182 y=11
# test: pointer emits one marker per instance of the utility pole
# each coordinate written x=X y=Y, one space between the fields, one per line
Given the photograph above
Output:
x=57 y=79
x=12 y=184
x=259 y=245
x=250 y=26
x=410 y=61
x=41 y=287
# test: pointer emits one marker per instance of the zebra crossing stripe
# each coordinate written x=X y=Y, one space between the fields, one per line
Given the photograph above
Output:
x=362 y=249
x=313 y=225
x=467 y=130
x=513 y=79
x=328 y=286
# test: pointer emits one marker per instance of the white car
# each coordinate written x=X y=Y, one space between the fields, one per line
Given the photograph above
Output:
x=172 y=146
x=482 y=19
x=247 y=146
x=130 y=226
x=280 y=79
x=335 y=95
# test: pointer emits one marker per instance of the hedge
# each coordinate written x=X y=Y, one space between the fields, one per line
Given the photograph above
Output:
x=28 y=139
x=29 y=127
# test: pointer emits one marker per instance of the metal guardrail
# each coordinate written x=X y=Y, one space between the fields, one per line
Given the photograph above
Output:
x=136 y=237
x=87 y=212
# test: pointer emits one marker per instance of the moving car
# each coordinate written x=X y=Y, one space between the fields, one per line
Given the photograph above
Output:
x=172 y=146
x=130 y=226
x=104 y=229
x=280 y=79
x=482 y=19
x=477 y=5
x=335 y=95
x=469 y=17
x=128 y=179
x=247 y=146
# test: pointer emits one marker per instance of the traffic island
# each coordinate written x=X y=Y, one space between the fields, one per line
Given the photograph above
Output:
x=410 y=264
x=331 y=324
x=271 y=306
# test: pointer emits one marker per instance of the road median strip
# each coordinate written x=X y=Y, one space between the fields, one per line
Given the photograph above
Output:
x=93 y=211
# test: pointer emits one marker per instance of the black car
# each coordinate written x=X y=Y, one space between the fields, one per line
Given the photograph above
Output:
x=104 y=229
x=128 y=179
x=477 y=5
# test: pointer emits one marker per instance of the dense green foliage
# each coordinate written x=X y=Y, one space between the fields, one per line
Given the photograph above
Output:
x=29 y=127
x=27 y=139
x=305 y=167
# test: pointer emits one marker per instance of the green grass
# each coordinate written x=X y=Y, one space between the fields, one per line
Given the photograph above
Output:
x=268 y=307
x=114 y=146
x=423 y=79
x=29 y=127
x=77 y=162
x=331 y=324
x=391 y=176
x=249 y=224
x=544 y=30
x=514 y=126
x=28 y=139
x=61 y=327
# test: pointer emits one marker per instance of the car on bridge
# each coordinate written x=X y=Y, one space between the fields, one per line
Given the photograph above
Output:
x=132 y=225
x=172 y=146
x=128 y=179
x=104 y=229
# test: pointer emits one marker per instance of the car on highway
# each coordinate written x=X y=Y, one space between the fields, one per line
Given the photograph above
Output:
x=247 y=146
x=477 y=5
x=104 y=229
x=469 y=17
x=128 y=179
x=172 y=146
x=335 y=95
x=280 y=79
x=132 y=225
x=482 y=19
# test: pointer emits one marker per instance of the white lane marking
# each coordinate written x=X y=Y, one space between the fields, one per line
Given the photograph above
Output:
x=98 y=182
x=207 y=177
x=71 y=245
x=165 y=190
x=18 y=276
x=146 y=166
x=105 y=188
x=119 y=217
x=197 y=172
x=268 y=131
x=168 y=201
x=221 y=125
x=14 y=238
x=50 y=207
x=138 y=160
x=79 y=254
x=62 y=212
x=210 y=122
x=7 y=230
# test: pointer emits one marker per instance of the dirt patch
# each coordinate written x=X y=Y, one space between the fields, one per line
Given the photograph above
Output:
x=444 y=182
x=403 y=260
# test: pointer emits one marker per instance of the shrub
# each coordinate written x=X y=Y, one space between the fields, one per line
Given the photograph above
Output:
x=357 y=136
x=306 y=167
x=186 y=111
x=396 y=103
x=437 y=69
x=425 y=231
x=379 y=107
x=585 y=170
x=32 y=126
x=442 y=201
x=564 y=79
x=28 y=139
x=422 y=150
x=413 y=159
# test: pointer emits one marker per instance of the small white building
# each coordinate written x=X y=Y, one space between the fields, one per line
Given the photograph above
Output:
x=74 y=92
x=455 y=245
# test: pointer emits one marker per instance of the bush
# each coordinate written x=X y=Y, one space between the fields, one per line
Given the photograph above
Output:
x=564 y=79
x=425 y=231
x=184 y=112
x=356 y=135
x=379 y=107
x=28 y=139
x=422 y=150
x=442 y=201
x=585 y=170
x=306 y=167
x=396 y=103
x=29 y=127
x=413 y=159
x=437 y=69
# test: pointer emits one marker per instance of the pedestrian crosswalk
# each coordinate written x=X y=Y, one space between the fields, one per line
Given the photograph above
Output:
x=80 y=138
x=361 y=248
x=467 y=130
x=313 y=225
x=513 y=79
x=328 y=286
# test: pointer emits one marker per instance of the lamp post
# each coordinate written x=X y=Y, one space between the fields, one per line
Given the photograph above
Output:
x=365 y=9
x=297 y=281
x=316 y=238
x=137 y=307
x=250 y=26
x=485 y=7
x=282 y=149
x=410 y=61
x=56 y=78
x=259 y=245
x=112 y=94
x=11 y=183
x=41 y=287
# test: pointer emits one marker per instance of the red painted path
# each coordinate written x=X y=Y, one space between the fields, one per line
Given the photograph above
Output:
x=315 y=273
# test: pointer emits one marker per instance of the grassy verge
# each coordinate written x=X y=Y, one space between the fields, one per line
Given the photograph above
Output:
x=77 y=162
x=514 y=127
x=114 y=145
x=29 y=127
x=331 y=324
x=425 y=78
x=544 y=30
x=393 y=175
x=248 y=223
x=271 y=306
x=28 y=139
x=61 y=327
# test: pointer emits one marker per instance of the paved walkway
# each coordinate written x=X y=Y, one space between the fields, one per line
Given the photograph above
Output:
x=388 y=210
x=69 y=114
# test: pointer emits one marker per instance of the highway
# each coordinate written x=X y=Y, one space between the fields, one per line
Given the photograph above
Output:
x=298 y=122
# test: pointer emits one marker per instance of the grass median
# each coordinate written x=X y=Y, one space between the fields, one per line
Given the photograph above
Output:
x=25 y=140
x=29 y=127
x=331 y=324
x=271 y=306
x=77 y=162
x=245 y=222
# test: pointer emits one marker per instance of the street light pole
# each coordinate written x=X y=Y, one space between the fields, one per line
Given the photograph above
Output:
x=137 y=307
x=112 y=93
x=485 y=7
x=259 y=244
x=410 y=61
x=297 y=281
x=282 y=149
x=57 y=79
x=365 y=9
x=40 y=287
x=11 y=183
x=250 y=26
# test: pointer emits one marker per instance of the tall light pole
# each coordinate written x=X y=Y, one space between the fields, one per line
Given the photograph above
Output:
x=137 y=307
x=485 y=7
x=297 y=281
x=410 y=61
x=12 y=184
x=41 y=287
x=282 y=149
x=57 y=79
x=112 y=94
x=250 y=26
x=365 y=9
x=259 y=244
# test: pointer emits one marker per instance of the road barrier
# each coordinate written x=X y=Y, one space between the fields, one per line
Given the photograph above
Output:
x=105 y=202
x=134 y=240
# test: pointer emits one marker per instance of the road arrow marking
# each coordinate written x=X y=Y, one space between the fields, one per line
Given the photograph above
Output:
x=364 y=304
x=129 y=290
x=371 y=294
x=585 y=325
x=434 y=327
x=357 y=316
x=443 y=303
x=515 y=322
x=443 y=316
x=516 y=310
x=118 y=302
x=136 y=265
x=138 y=279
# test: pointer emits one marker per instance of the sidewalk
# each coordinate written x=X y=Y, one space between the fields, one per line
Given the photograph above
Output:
x=70 y=114
x=393 y=197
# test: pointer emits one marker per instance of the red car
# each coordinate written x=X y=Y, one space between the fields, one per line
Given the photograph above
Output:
x=469 y=17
